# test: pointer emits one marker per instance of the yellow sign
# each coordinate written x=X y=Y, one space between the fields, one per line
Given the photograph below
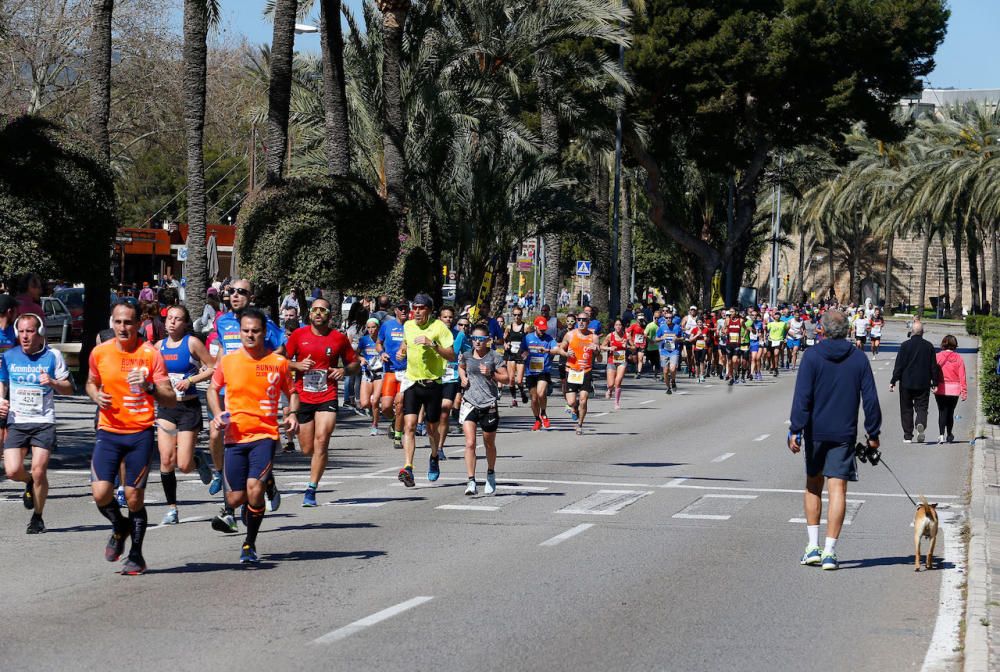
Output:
x=718 y=303
x=482 y=301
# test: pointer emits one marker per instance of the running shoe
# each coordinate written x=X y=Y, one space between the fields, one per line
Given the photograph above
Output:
x=537 y=426
x=907 y=440
x=421 y=429
x=674 y=384
x=406 y=476
x=637 y=376
x=248 y=555
x=433 y=469
x=225 y=522
x=28 y=498
x=830 y=561
x=940 y=439
x=470 y=489
x=397 y=441
x=115 y=546
x=289 y=447
x=545 y=422
x=442 y=455
x=119 y=497
x=920 y=433
x=204 y=468
x=215 y=487
x=950 y=438
x=36 y=525
x=579 y=430
x=732 y=381
x=607 y=395
x=373 y=431
x=812 y=556
x=491 y=483
x=309 y=497
x=170 y=518
x=133 y=566
x=569 y=410
x=524 y=397
x=669 y=391
x=618 y=406
x=359 y=411
x=513 y=403
x=574 y=417
x=271 y=495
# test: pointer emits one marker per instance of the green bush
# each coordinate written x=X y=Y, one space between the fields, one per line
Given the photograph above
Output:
x=979 y=325
x=989 y=346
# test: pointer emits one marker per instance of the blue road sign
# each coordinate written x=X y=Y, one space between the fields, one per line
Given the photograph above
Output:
x=583 y=268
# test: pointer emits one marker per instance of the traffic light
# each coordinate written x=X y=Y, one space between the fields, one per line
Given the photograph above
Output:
x=444 y=271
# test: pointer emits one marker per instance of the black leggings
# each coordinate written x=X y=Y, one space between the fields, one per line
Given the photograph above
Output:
x=946 y=413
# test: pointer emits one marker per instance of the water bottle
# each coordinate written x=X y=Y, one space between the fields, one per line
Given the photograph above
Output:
x=225 y=418
x=133 y=387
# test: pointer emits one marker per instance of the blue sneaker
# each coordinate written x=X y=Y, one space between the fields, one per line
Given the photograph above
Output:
x=421 y=429
x=215 y=487
x=309 y=497
x=812 y=556
x=120 y=497
x=830 y=561
x=272 y=497
x=204 y=468
x=433 y=469
x=491 y=483
x=248 y=555
x=171 y=518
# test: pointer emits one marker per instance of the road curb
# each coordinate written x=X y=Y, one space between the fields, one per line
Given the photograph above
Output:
x=977 y=620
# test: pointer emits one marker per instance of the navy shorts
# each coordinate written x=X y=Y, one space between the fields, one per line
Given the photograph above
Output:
x=185 y=416
x=111 y=449
x=831 y=459
x=244 y=461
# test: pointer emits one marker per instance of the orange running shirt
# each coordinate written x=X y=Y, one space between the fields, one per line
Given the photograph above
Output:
x=581 y=359
x=253 y=394
x=109 y=368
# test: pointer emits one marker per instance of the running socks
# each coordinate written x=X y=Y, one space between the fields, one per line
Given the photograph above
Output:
x=169 y=481
x=254 y=518
x=831 y=546
x=618 y=394
x=113 y=513
x=513 y=391
x=137 y=522
x=314 y=486
x=813 y=532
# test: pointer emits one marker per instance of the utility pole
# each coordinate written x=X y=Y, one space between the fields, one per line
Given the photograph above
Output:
x=775 y=278
x=615 y=227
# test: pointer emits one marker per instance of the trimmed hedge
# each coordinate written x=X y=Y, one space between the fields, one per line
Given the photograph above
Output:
x=987 y=328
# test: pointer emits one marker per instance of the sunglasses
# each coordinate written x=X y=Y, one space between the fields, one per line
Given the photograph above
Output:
x=319 y=309
x=463 y=324
x=241 y=291
x=480 y=339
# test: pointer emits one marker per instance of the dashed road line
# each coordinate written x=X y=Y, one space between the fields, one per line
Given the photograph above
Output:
x=723 y=457
x=762 y=437
x=568 y=534
x=368 y=621
x=467 y=507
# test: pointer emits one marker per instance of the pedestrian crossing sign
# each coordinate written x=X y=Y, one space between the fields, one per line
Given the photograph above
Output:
x=583 y=268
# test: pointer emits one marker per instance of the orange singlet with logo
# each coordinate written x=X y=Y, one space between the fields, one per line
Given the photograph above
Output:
x=253 y=394
x=582 y=359
x=109 y=368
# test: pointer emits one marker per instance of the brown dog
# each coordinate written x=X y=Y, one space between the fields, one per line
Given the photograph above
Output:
x=925 y=525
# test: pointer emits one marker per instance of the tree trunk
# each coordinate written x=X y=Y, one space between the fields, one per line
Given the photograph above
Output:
x=801 y=293
x=195 y=83
x=982 y=275
x=279 y=93
x=888 y=270
x=601 y=268
x=393 y=128
x=431 y=245
x=995 y=237
x=553 y=241
x=625 y=249
x=972 y=252
x=833 y=272
x=928 y=237
x=956 y=305
x=337 y=141
x=944 y=273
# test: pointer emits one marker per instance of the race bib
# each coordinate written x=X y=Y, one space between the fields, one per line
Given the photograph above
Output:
x=574 y=377
x=734 y=338
x=876 y=333
x=699 y=345
x=670 y=342
x=464 y=411
x=619 y=357
x=314 y=381
x=744 y=348
x=450 y=375
x=536 y=365
x=515 y=347
x=640 y=340
x=174 y=379
x=810 y=341
x=27 y=402
x=775 y=344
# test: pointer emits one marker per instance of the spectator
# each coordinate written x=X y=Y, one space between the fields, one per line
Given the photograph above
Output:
x=951 y=387
x=147 y=293
x=206 y=322
x=291 y=301
x=916 y=372
x=29 y=294
x=152 y=328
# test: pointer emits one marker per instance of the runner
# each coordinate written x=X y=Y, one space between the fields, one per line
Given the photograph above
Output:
x=796 y=331
x=451 y=385
x=126 y=376
x=371 y=373
x=254 y=377
x=776 y=330
x=652 y=346
x=427 y=349
x=513 y=340
x=480 y=371
x=539 y=347
x=697 y=341
x=579 y=347
x=861 y=326
x=616 y=345
x=637 y=342
x=668 y=335
x=570 y=326
x=688 y=324
x=229 y=338
x=31 y=375
x=390 y=340
x=756 y=333
x=875 y=329
x=8 y=339
x=188 y=363
x=321 y=357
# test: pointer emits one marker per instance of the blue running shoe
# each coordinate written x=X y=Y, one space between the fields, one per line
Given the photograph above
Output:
x=491 y=483
x=433 y=469
x=120 y=497
x=215 y=487
x=248 y=555
x=812 y=556
x=309 y=497
x=830 y=561
x=171 y=518
x=421 y=429
x=204 y=468
x=406 y=476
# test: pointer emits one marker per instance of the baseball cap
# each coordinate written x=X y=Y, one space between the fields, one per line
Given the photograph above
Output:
x=7 y=302
x=423 y=300
x=212 y=291
x=402 y=305
x=541 y=323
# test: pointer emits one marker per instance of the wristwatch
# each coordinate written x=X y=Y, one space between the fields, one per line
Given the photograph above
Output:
x=150 y=388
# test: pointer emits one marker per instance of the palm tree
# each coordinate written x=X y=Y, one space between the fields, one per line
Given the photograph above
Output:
x=338 y=142
x=394 y=131
x=280 y=88
x=198 y=15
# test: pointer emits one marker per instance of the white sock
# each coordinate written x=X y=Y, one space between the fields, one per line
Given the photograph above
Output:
x=831 y=545
x=813 y=532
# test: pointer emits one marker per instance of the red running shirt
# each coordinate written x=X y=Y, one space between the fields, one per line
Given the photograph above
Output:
x=330 y=351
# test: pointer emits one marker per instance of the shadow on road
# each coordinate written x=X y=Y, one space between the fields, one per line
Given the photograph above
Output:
x=891 y=560
x=648 y=464
x=320 y=526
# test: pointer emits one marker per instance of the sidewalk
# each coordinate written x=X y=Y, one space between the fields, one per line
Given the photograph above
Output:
x=982 y=612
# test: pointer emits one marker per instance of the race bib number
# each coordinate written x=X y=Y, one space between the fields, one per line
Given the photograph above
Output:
x=174 y=379
x=536 y=365
x=734 y=338
x=699 y=345
x=744 y=348
x=876 y=333
x=810 y=341
x=450 y=375
x=574 y=377
x=314 y=381
x=670 y=342
x=27 y=402
x=640 y=340
x=775 y=344
x=214 y=350
x=515 y=347
x=619 y=357
x=464 y=411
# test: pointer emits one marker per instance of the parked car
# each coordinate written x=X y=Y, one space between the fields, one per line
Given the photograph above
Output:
x=58 y=321
x=73 y=298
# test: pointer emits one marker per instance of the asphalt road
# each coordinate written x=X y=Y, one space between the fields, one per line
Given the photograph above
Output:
x=662 y=539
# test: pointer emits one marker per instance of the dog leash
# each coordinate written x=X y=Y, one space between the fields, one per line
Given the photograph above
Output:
x=882 y=460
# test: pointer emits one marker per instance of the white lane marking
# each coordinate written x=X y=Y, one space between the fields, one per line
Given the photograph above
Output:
x=700 y=516
x=853 y=506
x=600 y=415
x=648 y=401
x=185 y=519
x=467 y=507
x=368 y=621
x=681 y=392
x=568 y=534
x=945 y=640
x=366 y=505
x=70 y=472
x=710 y=507
x=788 y=422
x=674 y=483
x=730 y=496
x=723 y=457
x=793 y=492
x=762 y=437
x=380 y=471
x=605 y=502
x=524 y=488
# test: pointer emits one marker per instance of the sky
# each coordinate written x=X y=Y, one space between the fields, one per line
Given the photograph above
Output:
x=966 y=60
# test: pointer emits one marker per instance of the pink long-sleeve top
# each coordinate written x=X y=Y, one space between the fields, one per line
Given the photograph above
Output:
x=952 y=378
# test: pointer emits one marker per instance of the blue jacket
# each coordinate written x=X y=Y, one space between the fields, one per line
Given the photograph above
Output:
x=834 y=379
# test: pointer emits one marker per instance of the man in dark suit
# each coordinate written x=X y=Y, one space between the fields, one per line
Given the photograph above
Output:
x=916 y=373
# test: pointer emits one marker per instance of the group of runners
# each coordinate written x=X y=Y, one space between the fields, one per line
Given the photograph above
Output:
x=421 y=369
